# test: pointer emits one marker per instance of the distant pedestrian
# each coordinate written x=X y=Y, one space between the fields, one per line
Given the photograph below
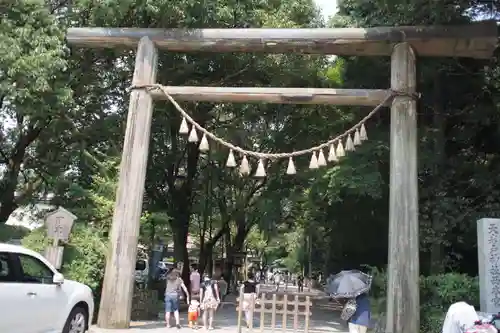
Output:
x=250 y=293
x=300 y=283
x=269 y=277
x=210 y=299
x=195 y=282
x=175 y=286
x=277 y=280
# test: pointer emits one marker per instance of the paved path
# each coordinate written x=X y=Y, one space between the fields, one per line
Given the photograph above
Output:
x=323 y=319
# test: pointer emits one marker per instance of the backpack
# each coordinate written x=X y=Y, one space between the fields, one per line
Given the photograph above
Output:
x=210 y=284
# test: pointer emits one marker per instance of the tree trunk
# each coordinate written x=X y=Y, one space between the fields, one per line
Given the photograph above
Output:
x=180 y=229
x=7 y=192
x=229 y=259
x=207 y=249
x=210 y=263
x=10 y=180
x=236 y=246
x=181 y=199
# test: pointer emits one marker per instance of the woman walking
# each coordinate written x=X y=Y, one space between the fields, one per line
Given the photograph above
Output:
x=174 y=287
x=250 y=292
x=210 y=299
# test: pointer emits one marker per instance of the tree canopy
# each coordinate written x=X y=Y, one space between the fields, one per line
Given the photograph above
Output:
x=63 y=113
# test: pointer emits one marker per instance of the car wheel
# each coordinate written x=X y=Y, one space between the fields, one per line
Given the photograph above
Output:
x=77 y=321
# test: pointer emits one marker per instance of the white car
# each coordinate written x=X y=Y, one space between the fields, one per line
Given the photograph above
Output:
x=35 y=297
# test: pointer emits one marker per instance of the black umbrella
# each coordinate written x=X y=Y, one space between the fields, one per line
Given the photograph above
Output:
x=349 y=284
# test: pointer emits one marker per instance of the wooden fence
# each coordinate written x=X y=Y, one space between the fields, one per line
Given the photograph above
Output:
x=274 y=306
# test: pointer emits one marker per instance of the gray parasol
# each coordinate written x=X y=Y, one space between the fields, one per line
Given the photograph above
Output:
x=349 y=284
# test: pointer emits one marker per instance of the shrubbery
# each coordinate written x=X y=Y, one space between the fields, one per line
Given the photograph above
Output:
x=9 y=232
x=437 y=293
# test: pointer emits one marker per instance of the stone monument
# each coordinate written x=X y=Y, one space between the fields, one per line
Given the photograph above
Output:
x=488 y=249
x=59 y=224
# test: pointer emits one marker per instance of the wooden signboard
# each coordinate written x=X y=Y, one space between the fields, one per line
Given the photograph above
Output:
x=59 y=224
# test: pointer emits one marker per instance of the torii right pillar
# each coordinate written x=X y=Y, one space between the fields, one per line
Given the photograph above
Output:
x=403 y=307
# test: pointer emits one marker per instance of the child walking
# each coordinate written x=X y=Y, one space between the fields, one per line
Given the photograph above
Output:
x=193 y=313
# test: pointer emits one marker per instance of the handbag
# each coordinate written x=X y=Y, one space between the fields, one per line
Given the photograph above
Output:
x=348 y=310
x=180 y=293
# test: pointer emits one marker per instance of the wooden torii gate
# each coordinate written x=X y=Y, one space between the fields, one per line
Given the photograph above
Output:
x=402 y=44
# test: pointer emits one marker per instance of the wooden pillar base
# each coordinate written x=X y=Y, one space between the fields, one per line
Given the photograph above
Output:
x=403 y=283
x=117 y=291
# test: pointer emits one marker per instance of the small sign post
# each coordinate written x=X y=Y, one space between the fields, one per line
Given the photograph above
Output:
x=59 y=224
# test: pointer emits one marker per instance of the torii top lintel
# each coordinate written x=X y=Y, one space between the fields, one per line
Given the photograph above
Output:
x=475 y=40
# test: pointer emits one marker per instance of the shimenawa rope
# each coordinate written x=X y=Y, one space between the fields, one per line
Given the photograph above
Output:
x=271 y=156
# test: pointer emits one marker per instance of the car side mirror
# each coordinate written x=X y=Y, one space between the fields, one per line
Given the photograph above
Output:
x=58 y=279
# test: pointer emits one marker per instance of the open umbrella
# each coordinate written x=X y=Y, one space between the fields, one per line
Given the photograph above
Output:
x=349 y=284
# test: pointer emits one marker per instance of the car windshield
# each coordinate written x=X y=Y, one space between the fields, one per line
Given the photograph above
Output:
x=140 y=265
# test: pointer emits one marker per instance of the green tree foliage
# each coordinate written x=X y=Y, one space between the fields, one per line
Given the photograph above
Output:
x=458 y=160
x=8 y=232
x=62 y=117
x=33 y=96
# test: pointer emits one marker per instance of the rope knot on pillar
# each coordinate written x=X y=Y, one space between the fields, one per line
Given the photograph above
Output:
x=396 y=93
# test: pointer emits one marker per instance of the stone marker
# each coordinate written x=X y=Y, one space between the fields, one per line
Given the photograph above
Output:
x=488 y=250
x=59 y=224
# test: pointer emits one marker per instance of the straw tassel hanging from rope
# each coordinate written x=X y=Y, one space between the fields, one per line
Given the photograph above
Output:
x=261 y=171
x=357 y=139
x=321 y=158
x=290 y=170
x=193 y=136
x=184 y=129
x=362 y=133
x=332 y=157
x=244 y=166
x=340 y=152
x=204 y=147
x=349 y=144
x=231 y=161
x=313 y=163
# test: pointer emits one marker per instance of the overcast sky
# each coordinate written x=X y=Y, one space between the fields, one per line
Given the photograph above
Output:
x=329 y=7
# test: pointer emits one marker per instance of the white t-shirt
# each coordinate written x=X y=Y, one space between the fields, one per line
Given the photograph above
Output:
x=460 y=317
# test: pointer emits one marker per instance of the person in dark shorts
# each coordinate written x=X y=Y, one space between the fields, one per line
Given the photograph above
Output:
x=250 y=294
x=300 y=283
x=174 y=287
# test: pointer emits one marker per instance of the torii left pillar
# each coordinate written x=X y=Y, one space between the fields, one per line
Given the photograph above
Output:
x=117 y=291
x=403 y=303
